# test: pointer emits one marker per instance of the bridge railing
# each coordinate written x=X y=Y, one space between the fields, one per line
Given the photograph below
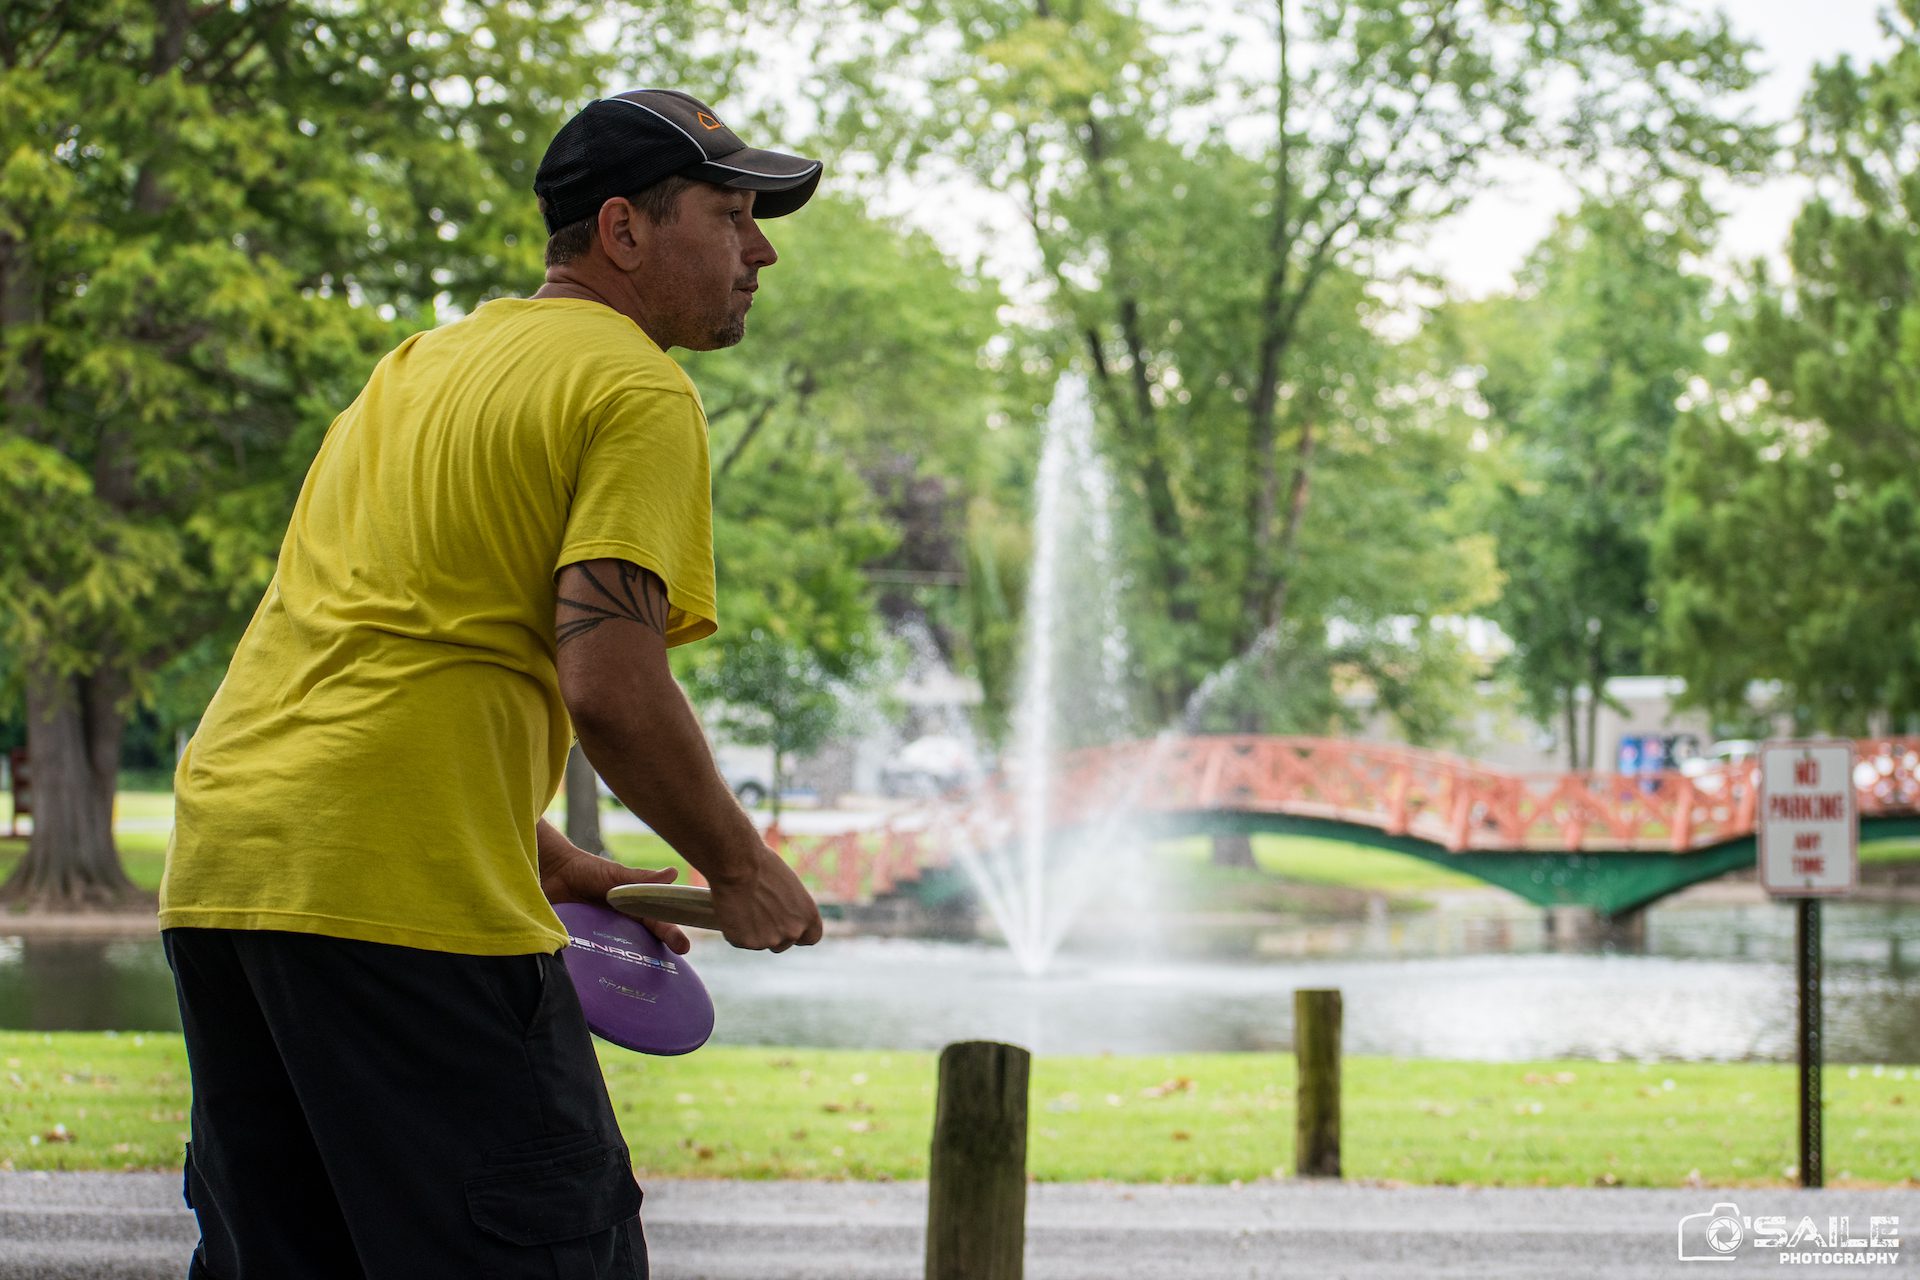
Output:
x=1443 y=799
x=1450 y=801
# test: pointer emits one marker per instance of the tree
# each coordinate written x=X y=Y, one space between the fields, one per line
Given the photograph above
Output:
x=861 y=378
x=212 y=219
x=1580 y=374
x=771 y=691
x=797 y=620
x=1790 y=546
x=1217 y=244
x=867 y=340
x=865 y=354
x=583 y=802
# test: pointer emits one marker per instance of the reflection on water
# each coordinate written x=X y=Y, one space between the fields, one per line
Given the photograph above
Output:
x=1475 y=979
x=86 y=984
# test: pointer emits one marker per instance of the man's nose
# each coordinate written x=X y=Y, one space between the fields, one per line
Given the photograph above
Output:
x=757 y=251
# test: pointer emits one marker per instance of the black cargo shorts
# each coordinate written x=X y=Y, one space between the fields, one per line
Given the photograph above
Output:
x=365 y=1110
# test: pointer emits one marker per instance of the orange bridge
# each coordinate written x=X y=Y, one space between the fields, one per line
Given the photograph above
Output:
x=1611 y=842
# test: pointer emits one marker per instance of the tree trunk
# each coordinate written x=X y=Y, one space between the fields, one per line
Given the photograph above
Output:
x=583 y=802
x=1593 y=719
x=1233 y=849
x=20 y=313
x=779 y=784
x=74 y=727
x=1573 y=730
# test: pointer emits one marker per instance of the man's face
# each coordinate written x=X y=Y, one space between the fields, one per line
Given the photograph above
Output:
x=698 y=280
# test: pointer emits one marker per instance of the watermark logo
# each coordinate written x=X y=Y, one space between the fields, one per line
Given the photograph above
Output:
x=1723 y=1233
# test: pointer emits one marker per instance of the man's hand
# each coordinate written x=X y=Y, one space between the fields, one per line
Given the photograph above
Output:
x=569 y=873
x=640 y=734
x=766 y=908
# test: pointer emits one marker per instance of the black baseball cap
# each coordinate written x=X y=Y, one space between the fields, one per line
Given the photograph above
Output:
x=622 y=145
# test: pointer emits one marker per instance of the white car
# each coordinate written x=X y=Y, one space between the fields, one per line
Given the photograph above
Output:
x=747 y=770
x=928 y=766
x=1708 y=771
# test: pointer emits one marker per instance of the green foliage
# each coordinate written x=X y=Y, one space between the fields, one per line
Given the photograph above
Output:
x=213 y=219
x=771 y=691
x=797 y=622
x=864 y=339
x=860 y=382
x=999 y=548
x=790 y=538
x=1215 y=251
x=1790 y=548
x=204 y=244
x=1580 y=374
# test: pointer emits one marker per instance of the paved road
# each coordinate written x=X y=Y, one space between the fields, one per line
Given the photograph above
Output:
x=131 y=1227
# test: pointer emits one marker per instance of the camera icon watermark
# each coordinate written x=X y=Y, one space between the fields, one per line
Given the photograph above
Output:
x=1713 y=1236
x=1723 y=1233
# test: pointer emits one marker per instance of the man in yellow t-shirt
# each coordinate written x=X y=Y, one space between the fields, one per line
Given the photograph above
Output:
x=494 y=549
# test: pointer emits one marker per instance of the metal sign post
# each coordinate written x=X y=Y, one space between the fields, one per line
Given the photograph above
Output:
x=1809 y=848
x=1807 y=968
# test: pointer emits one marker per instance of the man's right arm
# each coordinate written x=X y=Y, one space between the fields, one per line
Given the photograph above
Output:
x=640 y=734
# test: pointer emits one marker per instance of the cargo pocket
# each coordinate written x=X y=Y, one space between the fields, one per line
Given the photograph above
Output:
x=546 y=1200
x=522 y=989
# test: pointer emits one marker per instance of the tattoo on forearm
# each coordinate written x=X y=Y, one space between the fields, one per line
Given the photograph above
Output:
x=638 y=596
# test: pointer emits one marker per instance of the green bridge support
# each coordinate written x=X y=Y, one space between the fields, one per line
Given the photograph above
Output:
x=1613 y=884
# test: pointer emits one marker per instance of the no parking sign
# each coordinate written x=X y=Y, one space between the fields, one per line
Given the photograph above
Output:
x=1809 y=828
x=1809 y=835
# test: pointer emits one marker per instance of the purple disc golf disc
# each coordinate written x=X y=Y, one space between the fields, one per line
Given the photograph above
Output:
x=635 y=992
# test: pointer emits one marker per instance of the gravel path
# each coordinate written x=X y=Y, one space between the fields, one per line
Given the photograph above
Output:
x=131 y=1227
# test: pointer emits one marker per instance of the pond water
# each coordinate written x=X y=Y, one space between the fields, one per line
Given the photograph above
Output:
x=1473 y=979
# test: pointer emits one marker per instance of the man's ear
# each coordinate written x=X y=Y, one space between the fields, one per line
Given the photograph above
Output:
x=625 y=234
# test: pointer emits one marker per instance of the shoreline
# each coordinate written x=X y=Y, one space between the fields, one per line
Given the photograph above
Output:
x=81 y=924
x=141 y=922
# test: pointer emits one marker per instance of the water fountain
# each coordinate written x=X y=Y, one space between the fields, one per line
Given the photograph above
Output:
x=1034 y=880
x=1036 y=875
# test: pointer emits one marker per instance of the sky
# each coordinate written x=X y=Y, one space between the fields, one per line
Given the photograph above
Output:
x=1479 y=249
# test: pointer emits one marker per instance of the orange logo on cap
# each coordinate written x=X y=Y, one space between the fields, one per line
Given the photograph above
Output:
x=708 y=121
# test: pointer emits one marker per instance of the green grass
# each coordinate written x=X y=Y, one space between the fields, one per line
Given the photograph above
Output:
x=1324 y=862
x=143 y=805
x=106 y=1101
x=142 y=853
x=1891 y=851
x=645 y=851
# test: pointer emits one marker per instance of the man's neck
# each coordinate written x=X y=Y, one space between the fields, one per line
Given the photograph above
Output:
x=561 y=283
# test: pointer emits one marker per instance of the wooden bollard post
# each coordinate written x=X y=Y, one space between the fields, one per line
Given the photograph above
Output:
x=1316 y=1052
x=977 y=1198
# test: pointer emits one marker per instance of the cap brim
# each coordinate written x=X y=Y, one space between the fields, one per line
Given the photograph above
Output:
x=781 y=183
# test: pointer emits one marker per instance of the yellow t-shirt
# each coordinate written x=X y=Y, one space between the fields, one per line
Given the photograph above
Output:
x=391 y=727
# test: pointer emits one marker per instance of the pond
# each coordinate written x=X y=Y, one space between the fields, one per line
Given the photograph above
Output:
x=1476 y=978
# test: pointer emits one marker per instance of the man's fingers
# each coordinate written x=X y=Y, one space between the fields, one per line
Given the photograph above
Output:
x=674 y=938
x=617 y=875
